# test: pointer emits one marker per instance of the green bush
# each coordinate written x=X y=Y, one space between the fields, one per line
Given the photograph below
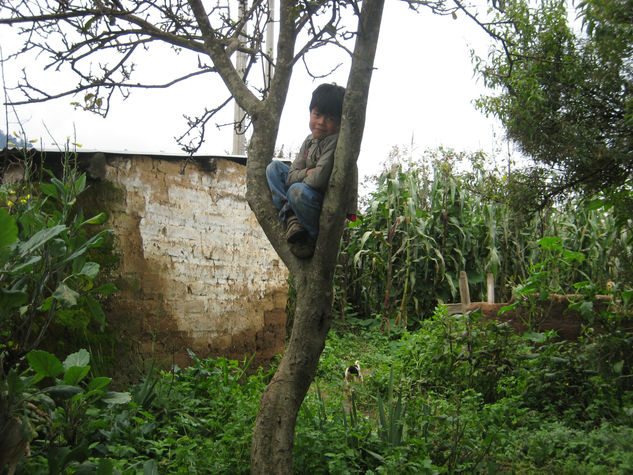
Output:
x=45 y=274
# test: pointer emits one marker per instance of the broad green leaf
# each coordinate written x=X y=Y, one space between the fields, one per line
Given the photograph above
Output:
x=40 y=238
x=365 y=237
x=59 y=185
x=106 y=289
x=150 y=467
x=597 y=204
x=15 y=384
x=12 y=298
x=78 y=264
x=90 y=270
x=80 y=184
x=585 y=308
x=44 y=363
x=98 y=383
x=75 y=374
x=79 y=358
x=94 y=241
x=25 y=266
x=113 y=397
x=8 y=228
x=58 y=248
x=66 y=295
x=59 y=458
x=47 y=304
x=550 y=242
x=63 y=391
x=49 y=190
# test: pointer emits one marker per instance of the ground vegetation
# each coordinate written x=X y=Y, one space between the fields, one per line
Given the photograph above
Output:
x=443 y=394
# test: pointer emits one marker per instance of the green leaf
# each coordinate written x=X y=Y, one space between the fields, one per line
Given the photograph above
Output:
x=94 y=241
x=58 y=248
x=98 y=383
x=49 y=190
x=98 y=219
x=47 y=304
x=106 y=467
x=95 y=309
x=80 y=184
x=45 y=364
x=79 y=358
x=617 y=367
x=25 y=266
x=59 y=185
x=63 y=392
x=535 y=337
x=550 y=243
x=12 y=298
x=90 y=270
x=61 y=457
x=150 y=467
x=66 y=295
x=15 y=384
x=8 y=228
x=106 y=289
x=39 y=239
x=586 y=309
x=113 y=397
x=75 y=374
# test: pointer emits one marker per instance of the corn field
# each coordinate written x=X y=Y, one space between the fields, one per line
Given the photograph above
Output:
x=426 y=221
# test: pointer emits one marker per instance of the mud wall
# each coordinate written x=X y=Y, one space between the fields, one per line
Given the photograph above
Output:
x=195 y=269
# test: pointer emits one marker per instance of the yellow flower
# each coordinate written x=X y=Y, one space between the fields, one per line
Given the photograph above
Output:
x=23 y=201
x=9 y=203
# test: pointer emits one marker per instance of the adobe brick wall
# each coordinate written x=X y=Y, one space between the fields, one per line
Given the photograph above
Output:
x=195 y=271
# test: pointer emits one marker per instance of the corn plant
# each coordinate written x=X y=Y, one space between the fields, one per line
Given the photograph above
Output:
x=426 y=221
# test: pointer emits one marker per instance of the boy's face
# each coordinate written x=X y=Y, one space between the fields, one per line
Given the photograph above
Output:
x=322 y=125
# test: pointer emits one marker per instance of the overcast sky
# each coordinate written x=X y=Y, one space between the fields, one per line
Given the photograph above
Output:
x=422 y=93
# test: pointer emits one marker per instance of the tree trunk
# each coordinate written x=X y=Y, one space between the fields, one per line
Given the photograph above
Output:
x=275 y=424
x=273 y=435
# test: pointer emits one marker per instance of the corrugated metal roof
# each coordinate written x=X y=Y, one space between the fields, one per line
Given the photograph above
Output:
x=241 y=159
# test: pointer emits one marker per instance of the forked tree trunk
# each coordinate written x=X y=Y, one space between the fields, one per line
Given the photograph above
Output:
x=273 y=435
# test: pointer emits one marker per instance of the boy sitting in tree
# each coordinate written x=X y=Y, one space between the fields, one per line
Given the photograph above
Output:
x=298 y=190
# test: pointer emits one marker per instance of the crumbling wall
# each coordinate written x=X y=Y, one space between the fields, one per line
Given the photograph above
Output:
x=195 y=271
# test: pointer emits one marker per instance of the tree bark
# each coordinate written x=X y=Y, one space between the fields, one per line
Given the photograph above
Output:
x=273 y=435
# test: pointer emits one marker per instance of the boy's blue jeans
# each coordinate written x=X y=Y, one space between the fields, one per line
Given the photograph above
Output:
x=302 y=200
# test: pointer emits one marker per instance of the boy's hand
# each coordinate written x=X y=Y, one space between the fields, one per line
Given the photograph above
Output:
x=309 y=170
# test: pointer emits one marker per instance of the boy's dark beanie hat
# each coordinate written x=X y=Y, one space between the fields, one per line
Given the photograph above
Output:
x=328 y=98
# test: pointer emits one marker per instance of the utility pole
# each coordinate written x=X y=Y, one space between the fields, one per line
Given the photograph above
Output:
x=239 y=140
x=270 y=43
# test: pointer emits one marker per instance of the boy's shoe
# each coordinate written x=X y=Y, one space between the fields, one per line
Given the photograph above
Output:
x=295 y=232
x=303 y=249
